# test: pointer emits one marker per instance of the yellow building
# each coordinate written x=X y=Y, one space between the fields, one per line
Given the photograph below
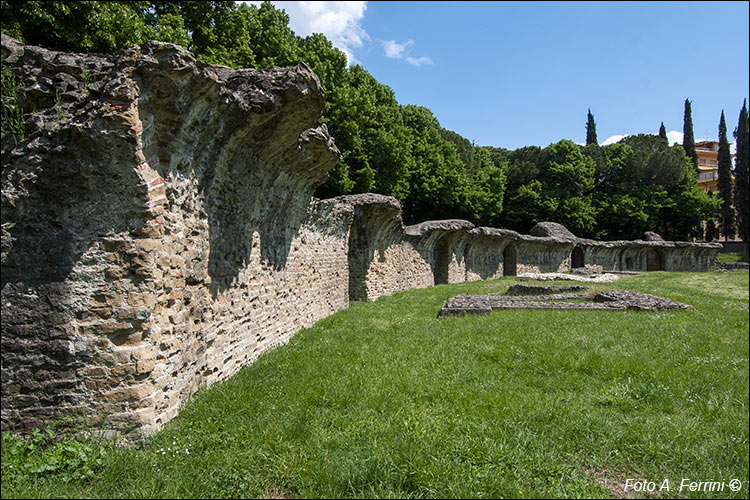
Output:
x=708 y=165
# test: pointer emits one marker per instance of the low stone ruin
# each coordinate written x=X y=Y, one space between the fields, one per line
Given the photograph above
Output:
x=542 y=289
x=617 y=300
x=572 y=276
x=159 y=232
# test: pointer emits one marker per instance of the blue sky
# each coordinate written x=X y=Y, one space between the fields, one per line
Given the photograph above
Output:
x=514 y=74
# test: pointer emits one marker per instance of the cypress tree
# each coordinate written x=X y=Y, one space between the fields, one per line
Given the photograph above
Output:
x=688 y=141
x=663 y=132
x=726 y=216
x=710 y=230
x=741 y=160
x=591 y=130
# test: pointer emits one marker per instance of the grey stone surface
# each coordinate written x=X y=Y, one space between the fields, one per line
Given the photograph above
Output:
x=592 y=278
x=652 y=236
x=542 y=289
x=423 y=228
x=730 y=266
x=611 y=300
x=551 y=230
x=638 y=300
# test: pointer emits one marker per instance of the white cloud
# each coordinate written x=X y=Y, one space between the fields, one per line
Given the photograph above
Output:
x=420 y=61
x=674 y=137
x=613 y=139
x=340 y=22
x=395 y=50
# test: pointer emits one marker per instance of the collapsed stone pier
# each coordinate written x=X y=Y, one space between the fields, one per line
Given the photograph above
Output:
x=159 y=232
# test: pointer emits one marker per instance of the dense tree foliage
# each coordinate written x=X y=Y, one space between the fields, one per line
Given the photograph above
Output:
x=591 y=130
x=726 y=216
x=688 y=140
x=742 y=174
x=615 y=191
x=644 y=184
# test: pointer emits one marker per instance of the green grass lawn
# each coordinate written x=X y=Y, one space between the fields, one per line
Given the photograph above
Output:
x=385 y=400
x=732 y=257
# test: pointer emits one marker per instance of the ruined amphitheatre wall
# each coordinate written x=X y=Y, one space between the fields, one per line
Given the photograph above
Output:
x=159 y=232
x=647 y=255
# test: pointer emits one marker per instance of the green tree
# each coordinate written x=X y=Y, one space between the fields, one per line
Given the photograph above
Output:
x=524 y=205
x=486 y=188
x=726 y=216
x=437 y=177
x=368 y=125
x=668 y=185
x=171 y=28
x=663 y=132
x=644 y=184
x=274 y=44
x=499 y=156
x=84 y=26
x=742 y=175
x=464 y=147
x=568 y=180
x=711 y=229
x=591 y=130
x=688 y=141
x=567 y=171
x=328 y=62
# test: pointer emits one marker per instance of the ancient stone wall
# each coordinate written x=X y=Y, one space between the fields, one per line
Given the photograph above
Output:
x=487 y=251
x=159 y=232
x=162 y=234
x=646 y=255
x=381 y=260
x=441 y=244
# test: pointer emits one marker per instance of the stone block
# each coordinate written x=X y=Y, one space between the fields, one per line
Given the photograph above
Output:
x=116 y=272
x=133 y=313
x=126 y=339
x=114 y=328
x=115 y=245
x=133 y=393
x=101 y=312
x=146 y=366
x=148 y=245
x=143 y=260
x=94 y=372
x=147 y=299
x=151 y=231
x=144 y=353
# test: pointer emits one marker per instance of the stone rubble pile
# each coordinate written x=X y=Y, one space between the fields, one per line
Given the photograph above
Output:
x=618 y=300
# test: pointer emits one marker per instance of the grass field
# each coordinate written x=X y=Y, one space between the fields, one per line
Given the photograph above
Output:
x=732 y=257
x=385 y=400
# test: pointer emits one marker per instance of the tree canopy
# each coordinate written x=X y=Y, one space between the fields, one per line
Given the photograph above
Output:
x=615 y=191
